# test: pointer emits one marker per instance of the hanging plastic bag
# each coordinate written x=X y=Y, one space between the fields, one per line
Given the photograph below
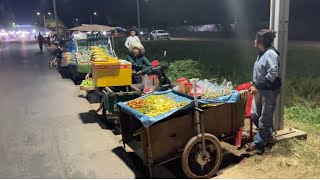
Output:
x=147 y=83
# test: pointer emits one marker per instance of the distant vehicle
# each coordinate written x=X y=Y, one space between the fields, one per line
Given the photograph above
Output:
x=144 y=35
x=159 y=35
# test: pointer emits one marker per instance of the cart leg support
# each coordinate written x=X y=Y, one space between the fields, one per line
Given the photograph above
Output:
x=239 y=138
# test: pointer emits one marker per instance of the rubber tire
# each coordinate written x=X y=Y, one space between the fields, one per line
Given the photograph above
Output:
x=193 y=141
x=52 y=66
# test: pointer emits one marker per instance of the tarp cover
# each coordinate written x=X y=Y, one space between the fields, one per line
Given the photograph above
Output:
x=231 y=98
x=148 y=121
x=92 y=27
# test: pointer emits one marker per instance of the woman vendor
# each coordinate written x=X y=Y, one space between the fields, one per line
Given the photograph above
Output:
x=140 y=64
x=265 y=88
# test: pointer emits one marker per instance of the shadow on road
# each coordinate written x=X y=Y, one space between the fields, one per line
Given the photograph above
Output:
x=132 y=161
x=64 y=72
x=92 y=117
x=38 y=53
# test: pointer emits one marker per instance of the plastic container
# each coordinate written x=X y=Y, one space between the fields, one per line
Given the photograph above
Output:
x=199 y=92
x=181 y=83
x=188 y=87
x=117 y=73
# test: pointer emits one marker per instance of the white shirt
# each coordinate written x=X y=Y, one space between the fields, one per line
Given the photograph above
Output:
x=130 y=40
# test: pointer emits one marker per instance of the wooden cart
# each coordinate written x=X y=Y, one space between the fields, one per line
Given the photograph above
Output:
x=111 y=96
x=178 y=136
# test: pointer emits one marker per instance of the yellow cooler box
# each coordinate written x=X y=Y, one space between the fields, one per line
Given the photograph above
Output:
x=118 y=73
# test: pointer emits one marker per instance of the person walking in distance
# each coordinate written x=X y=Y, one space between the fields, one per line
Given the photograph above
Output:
x=40 y=41
x=132 y=39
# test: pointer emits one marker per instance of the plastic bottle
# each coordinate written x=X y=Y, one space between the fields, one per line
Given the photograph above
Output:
x=181 y=84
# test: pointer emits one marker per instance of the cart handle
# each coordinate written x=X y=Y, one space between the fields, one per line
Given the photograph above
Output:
x=198 y=109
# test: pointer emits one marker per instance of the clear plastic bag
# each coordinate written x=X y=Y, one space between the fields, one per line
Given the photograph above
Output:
x=213 y=90
x=147 y=83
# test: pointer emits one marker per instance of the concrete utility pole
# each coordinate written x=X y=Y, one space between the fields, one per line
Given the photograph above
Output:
x=55 y=14
x=138 y=10
x=279 y=20
x=44 y=22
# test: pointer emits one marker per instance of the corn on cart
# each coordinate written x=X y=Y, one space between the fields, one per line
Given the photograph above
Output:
x=184 y=133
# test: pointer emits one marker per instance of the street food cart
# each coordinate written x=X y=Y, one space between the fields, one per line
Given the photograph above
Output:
x=83 y=37
x=181 y=135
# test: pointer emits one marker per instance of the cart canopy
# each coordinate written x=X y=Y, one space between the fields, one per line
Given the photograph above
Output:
x=92 y=27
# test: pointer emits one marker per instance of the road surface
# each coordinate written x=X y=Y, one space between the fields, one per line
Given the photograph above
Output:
x=46 y=128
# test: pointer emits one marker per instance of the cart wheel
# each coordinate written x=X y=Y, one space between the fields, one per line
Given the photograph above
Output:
x=54 y=63
x=197 y=165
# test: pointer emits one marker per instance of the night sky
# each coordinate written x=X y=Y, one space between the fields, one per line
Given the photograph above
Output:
x=169 y=12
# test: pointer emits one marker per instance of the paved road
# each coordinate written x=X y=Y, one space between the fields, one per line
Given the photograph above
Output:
x=46 y=129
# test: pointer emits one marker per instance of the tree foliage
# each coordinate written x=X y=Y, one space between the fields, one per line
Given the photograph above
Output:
x=51 y=24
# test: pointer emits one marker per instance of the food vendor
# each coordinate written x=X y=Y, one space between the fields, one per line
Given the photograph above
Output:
x=265 y=88
x=140 y=64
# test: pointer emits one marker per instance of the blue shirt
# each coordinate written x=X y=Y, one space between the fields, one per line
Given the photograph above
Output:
x=266 y=68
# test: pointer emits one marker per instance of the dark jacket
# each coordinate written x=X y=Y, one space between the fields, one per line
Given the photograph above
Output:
x=140 y=63
x=40 y=39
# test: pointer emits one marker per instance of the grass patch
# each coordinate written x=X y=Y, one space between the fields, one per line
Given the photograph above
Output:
x=182 y=68
x=304 y=112
x=231 y=59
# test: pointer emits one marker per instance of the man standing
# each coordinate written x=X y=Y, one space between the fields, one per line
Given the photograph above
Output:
x=40 y=41
x=132 y=39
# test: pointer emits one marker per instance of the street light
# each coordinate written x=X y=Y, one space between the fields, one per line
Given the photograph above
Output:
x=55 y=14
x=138 y=13
x=49 y=13
x=44 y=21
x=90 y=16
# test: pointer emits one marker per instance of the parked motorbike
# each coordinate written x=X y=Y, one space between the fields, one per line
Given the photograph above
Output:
x=56 y=62
x=158 y=71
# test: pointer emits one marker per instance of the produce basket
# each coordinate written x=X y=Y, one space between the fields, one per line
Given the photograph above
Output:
x=114 y=95
x=106 y=74
x=87 y=85
x=84 y=88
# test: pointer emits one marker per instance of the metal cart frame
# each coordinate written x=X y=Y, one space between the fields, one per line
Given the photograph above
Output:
x=171 y=138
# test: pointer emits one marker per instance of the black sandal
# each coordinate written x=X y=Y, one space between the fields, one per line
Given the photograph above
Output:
x=253 y=148
x=250 y=147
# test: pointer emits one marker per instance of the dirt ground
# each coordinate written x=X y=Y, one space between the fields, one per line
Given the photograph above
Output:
x=291 y=158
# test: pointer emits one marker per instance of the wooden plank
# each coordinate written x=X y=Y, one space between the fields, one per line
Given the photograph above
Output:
x=158 y=171
x=135 y=146
x=290 y=133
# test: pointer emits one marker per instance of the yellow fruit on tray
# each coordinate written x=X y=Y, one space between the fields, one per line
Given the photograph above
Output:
x=113 y=59
x=155 y=105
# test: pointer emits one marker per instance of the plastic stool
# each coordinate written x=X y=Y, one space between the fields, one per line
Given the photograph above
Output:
x=241 y=87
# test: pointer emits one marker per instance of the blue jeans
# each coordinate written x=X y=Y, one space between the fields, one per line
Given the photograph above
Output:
x=262 y=111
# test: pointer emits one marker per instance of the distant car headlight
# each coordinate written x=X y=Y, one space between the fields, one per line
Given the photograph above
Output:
x=141 y=33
